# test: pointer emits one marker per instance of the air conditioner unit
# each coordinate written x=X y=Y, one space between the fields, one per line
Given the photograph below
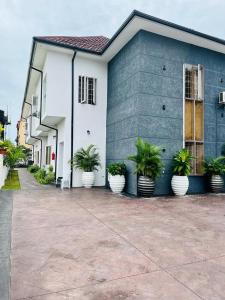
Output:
x=222 y=98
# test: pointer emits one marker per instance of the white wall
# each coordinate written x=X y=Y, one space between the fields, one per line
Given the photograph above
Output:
x=37 y=147
x=91 y=117
x=64 y=134
x=58 y=104
x=3 y=172
x=57 y=66
x=58 y=70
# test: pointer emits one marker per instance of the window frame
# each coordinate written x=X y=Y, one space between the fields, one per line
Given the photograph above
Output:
x=195 y=98
x=87 y=91
x=48 y=150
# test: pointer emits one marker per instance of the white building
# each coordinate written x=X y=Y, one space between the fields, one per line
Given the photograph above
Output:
x=65 y=87
x=80 y=89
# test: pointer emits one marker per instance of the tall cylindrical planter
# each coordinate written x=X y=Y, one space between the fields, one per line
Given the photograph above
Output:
x=117 y=183
x=216 y=183
x=180 y=185
x=146 y=186
x=88 y=179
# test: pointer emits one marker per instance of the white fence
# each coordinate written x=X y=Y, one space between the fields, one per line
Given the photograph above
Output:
x=3 y=172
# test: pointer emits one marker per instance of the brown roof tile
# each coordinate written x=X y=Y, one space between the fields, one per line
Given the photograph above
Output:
x=89 y=43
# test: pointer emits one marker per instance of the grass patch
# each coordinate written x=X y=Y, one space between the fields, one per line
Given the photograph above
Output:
x=12 y=181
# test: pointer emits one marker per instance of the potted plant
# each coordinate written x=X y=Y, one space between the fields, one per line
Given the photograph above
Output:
x=181 y=169
x=88 y=161
x=148 y=166
x=116 y=177
x=214 y=168
x=4 y=145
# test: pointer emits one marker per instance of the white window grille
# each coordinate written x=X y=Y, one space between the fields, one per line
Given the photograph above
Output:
x=87 y=90
x=194 y=79
x=194 y=114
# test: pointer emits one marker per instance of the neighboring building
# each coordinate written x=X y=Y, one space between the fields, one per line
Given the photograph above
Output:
x=152 y=79
x=4 y=121
x=21 y=134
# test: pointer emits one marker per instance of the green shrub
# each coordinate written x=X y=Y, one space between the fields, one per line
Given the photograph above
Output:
x=117 y=169
x=148 y=159
x=214 y=166
x=40 y=176
x=50 y=168
x=50 y=177
x=33 y=168
x=44 y=177
x=87 y=160
x=182 y=163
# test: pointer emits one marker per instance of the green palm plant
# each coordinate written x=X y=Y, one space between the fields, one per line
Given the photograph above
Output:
x=87 y=160
x=13 y=156
x=6 y=144
x=148 y=159
x=214 y=166
x=182 y=163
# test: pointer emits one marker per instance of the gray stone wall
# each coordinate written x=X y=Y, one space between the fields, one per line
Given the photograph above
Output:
x=147 y=76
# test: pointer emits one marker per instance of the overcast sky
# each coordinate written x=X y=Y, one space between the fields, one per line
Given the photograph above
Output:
x=22 y=19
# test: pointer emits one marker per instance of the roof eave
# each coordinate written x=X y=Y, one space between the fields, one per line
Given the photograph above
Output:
x=51 y=43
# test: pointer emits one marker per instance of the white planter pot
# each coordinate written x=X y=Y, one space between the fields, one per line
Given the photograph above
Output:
x=117 y=183
x=180 y=185
x=88 y=179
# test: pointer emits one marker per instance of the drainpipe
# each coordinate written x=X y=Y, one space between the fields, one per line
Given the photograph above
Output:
x=72 y=120
x=52 y=128
x=34 y=137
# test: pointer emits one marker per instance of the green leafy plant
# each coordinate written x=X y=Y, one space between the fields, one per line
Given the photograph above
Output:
x=50 y=168
x=148 y=159
x=50 y=177
x=117 y=169
x=6 y=145
x=87 y=160
x=182 y=163
x=13 y=156
x=40 y=175
x=33 y=168
x=214 y=166
x=44 y=177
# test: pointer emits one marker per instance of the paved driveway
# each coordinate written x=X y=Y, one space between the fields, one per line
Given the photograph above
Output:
x=90 y=244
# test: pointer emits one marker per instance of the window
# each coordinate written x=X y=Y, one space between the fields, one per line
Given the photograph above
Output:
x=194 y=115
x=87 y=90
x=48 y=155
x=44 y=95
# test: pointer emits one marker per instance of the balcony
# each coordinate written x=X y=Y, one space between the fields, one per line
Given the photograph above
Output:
x=31 y=132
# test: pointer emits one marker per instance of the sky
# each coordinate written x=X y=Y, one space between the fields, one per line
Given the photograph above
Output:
x=20 y=20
